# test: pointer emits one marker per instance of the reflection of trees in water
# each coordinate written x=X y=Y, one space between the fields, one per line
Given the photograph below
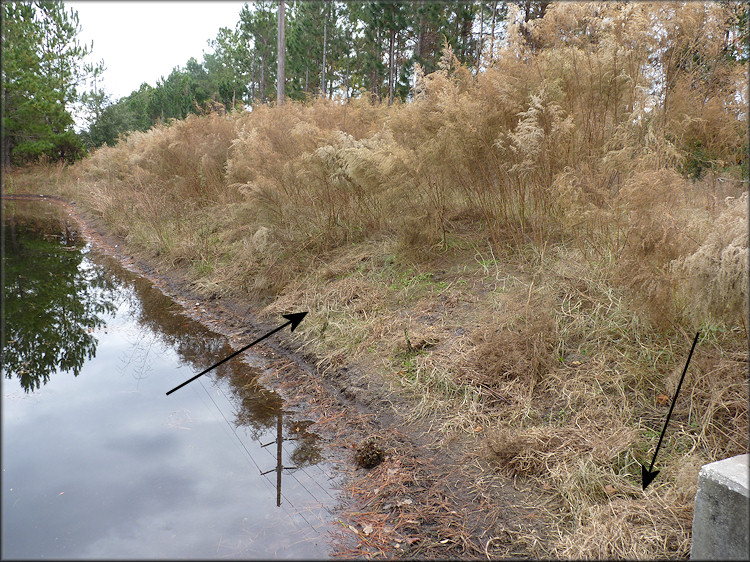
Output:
x=54 y=299
x=254 y=401
x=51 y=302
x=255 y=406
x=137 y=361
x=307 y=452
x=200 y=348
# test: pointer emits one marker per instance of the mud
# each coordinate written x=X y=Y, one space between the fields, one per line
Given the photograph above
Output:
x=425 y=500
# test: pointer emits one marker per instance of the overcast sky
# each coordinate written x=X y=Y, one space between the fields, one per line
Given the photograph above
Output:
x=143 y=41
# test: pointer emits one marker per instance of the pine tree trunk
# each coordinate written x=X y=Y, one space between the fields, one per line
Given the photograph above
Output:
x=390 y=66
x=348 y=60
x=281 y=55
x=492 y=40
x=5 y=139
x=254 y=83
x=347 y=78
x=325 y=47
x=263 y=79
x=481 y=35
x=420 y=30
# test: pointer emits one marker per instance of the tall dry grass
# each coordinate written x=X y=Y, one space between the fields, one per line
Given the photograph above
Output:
x=557 y=144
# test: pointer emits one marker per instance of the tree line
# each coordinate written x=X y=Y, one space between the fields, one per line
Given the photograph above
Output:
x=332 y=49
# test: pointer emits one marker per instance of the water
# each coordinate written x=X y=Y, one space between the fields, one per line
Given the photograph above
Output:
x=97 y=462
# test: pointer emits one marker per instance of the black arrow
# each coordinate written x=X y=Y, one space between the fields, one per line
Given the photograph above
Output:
x=294 y=320
x=647 y=475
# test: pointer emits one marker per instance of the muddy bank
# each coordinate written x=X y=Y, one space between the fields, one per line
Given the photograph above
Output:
x=424 y=499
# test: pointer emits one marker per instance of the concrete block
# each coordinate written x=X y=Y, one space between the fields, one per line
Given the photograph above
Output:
x=722 y=506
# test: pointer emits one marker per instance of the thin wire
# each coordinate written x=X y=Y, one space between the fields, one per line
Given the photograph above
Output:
x=314 y=497
x=230 y=426
x=327 y=476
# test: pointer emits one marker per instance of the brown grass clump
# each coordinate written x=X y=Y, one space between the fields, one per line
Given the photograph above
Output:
x=594 y=417
x=169 y=156
x=720 y=386
x=657 y=231
x=306 y=176
x=717 y=272
x=574 y=436
x=522 y=350
x=149 y=187
x=41 y=178
x=654 y=526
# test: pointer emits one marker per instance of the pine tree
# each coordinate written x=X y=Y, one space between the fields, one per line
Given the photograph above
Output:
x=42 y=70
x=258 y=28
x=229 y=66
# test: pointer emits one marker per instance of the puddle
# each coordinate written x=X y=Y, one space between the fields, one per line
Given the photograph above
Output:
x=97 y=462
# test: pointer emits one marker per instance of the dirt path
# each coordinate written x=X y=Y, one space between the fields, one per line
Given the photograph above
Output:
x=424 y=499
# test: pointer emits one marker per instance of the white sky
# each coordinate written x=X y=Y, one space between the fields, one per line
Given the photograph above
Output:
x=143 y=41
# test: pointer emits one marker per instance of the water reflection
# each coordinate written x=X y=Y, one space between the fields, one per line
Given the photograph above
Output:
x=255 y=408
x=105 y=465
x=52 y=303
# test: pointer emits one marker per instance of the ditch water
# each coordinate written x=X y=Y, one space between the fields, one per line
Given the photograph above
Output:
x=97 y=462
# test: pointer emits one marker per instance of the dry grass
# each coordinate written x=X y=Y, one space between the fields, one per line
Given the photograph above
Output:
x=520 y=350
x=654 y=527
x=43 y=178
x=595 y=416
x=717 y=272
